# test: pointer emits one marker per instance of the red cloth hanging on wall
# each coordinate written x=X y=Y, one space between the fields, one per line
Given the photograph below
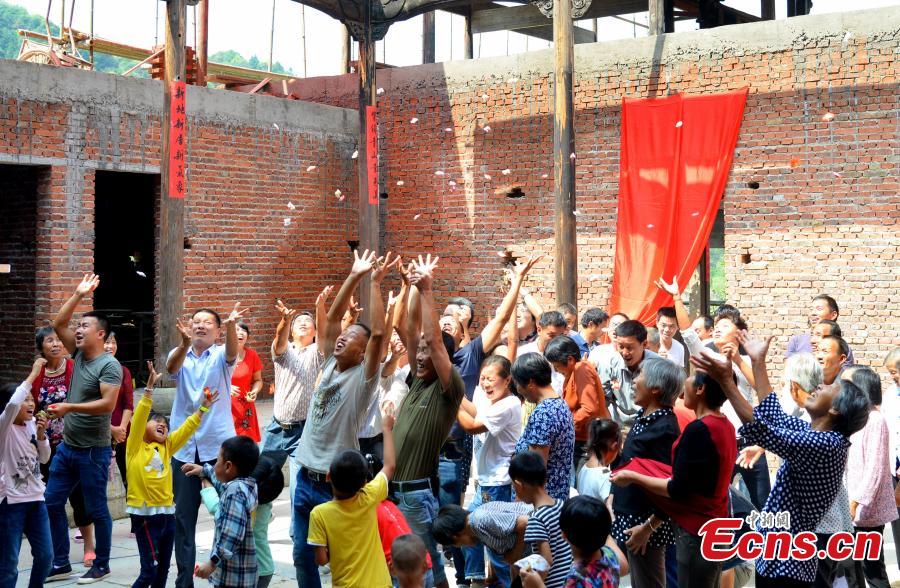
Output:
x=675 y=158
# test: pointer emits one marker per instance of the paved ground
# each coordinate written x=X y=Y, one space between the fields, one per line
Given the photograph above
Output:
x=125 y=563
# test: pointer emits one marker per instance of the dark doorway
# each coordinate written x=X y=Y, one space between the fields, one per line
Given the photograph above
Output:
x=124 y=246
x=19 y=188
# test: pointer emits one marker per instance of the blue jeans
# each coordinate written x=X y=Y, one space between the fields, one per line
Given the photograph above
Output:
x=475 y=555
x=452 y=488
x=419 y=507
x=280 y=445
x=756 y=479
x=31 y=519
x=155 y=537
x=310 y=494
x=90 y=467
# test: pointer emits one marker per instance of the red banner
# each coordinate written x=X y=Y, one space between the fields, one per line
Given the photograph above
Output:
x=676 y=154
x=372 y=154
x=177 y=139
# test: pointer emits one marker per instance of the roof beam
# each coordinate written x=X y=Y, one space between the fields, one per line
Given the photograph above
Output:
x=516 y=18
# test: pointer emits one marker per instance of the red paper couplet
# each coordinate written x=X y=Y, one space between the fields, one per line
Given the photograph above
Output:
x=177 y=140
x=372 y=154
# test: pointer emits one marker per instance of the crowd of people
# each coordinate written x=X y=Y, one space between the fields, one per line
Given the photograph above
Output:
x=598 y=447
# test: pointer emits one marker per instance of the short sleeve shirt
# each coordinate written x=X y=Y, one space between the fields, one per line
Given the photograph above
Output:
x=551 y=425
x=543 y=527
x=494 y=524
x=125 y=401
x=494 y=449
x=423 y=424
x=468 y=362
x=338 y=407
x=90 y=430
x=349 y=528
x=295 y=382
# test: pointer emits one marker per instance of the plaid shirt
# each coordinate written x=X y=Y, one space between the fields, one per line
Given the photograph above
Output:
x=233 y=540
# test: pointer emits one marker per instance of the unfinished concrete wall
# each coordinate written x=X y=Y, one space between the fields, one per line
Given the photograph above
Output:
x=824 y=217
x=247 y=159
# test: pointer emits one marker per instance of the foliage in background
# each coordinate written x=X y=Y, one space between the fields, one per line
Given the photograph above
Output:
x=232 y=57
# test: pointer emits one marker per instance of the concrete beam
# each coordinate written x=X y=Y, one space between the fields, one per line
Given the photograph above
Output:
x=516 y=18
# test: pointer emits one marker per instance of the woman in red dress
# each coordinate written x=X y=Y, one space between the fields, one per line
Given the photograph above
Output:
x=246 y=382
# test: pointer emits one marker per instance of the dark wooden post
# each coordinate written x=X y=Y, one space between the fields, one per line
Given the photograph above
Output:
x=428 y=37
x=467 y=35
x=563 y=149
x=369 y=236
x=171 y=210
x=202 y=42
x=767 y=9
x=657 y=17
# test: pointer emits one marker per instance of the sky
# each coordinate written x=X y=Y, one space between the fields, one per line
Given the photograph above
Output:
x=245 y=26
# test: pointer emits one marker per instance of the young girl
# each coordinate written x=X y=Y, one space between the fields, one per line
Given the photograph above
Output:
x=150 y=501
x=22 y=508
x=603 y=448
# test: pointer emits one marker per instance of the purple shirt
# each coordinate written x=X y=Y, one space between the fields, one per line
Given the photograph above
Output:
x=802 y=343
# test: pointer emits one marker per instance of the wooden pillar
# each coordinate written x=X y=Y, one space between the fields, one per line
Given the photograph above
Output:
x=345 y=49
x=369 y=235
x=171 y=210
x=669 y=16
x=657 y=17
x=203 y=43
x=428 y=37
x=767 y=9
x=563 y=149
x=467 y=36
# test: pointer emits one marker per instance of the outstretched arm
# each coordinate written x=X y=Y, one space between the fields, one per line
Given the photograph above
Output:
x=322 y=317
x=757 y=349
x=61 y=323
x=376 y=307
x=283 y=330
x=413 y=325
x=176 y=359
x=361 y=266
x=231 y=339
x=721 y=371
x=431 y=329
x=490 y=335
x=681 y=313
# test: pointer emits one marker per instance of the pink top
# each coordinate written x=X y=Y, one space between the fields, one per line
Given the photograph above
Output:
x=20 y=452
x=869 y=479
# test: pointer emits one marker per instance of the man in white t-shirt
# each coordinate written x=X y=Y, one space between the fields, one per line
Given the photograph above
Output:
x=667 y=324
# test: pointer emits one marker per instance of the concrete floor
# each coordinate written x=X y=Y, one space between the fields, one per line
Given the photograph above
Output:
x=125 y=563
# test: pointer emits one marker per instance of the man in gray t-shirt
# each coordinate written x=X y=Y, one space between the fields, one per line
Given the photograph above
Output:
x=83 y=456
x=349 y=378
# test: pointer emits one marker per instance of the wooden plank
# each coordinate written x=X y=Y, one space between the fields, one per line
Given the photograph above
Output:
x=563 y=148
x=171 y=210
x=657 y=12
x=546 y=33
x=767 y=9
x=369 y=234
x=528 y=16
x=428 y=37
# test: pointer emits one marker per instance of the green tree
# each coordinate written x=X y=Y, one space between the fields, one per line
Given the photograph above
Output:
x=232 y=57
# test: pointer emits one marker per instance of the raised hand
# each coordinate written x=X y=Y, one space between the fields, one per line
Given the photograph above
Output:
x=668 y=288
x=209 y=398
x=235 y=314
x=423 y=272
x=36 y=368
x=323 y=296
x=364 y=264
x=522 y=269
x=287 y=314
x=383 y=266
x=748 y=456
x=40 y=423
x=192 y=469
x=153 y=378
x=757 y=349
x=88 y=284
x=185 y=331
x=405 y=273
x=718 y=367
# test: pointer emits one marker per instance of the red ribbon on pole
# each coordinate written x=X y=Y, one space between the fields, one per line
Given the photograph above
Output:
x=372 y=154
x=177 y=140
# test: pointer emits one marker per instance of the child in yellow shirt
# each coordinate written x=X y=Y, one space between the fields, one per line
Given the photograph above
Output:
x=344 y=531
x=150 y=500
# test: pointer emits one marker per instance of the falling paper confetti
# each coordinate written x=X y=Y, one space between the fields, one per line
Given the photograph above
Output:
x=795 y=162
x=695 y=214
x=379 y=91
x=438 y=173
x=847 y=36
x=276 y=126
x=501 y=253
x=452 y=183
x=512 y=80
x=487 y=176
x=311 y=168
x=287 y=222
x=448 y=130
x=339 y=194
x=506 y=172
x=572 y=156
x=399 y=182
x=678 y=124
x=142 y=274
x=291 y=205
x=417 y=217
x=544 y=176
x=413 y=120
x=487 y=128
x=355 y=154
x=484 y=97
x=576 y=213
x=836 y=174
x=649 y=226
x=828 y=117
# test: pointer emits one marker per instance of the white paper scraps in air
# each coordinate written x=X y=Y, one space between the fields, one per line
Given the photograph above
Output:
x=502 y=253
x=339 y=194
x=291 y=206
x=379 y=91
x=836 y=174
x=417 y=216
x=275 y=125
x=576 y=212
x=847 y=36
x=572 y=156
x=287 y=221
x=533 y=562
x=141 y=274
x=484 y=97
x=506 y=172
x=355 y=154
x=487 y=128
x=452 y=183
x=695 y=214
x=5 y=268
x=649 y=226
x=438 y=173
x=828 y=117
x=413 y=120
x=311 y=168
x=448 y=129
x=678 y=124
x=487 y=177
x=545 y=176
x=399 y=182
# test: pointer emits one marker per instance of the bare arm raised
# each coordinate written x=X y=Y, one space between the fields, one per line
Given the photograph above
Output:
x=61 y=323
x=362 y=265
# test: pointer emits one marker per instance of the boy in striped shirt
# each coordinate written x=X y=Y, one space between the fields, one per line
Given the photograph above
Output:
x=529 y=477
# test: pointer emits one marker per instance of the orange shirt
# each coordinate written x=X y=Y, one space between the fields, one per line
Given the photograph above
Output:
x=583 y=392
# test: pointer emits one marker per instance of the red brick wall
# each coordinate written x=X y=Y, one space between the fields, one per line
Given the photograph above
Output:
x=242 y=173
x=806 y=229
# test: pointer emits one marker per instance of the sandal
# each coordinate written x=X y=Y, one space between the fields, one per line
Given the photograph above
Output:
x=78 y=538
x=89 y=557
